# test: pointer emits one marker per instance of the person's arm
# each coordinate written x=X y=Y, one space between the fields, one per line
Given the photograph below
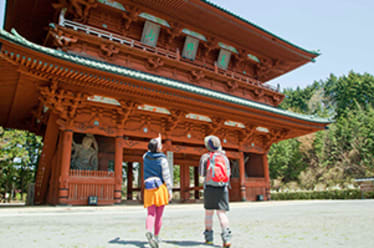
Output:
x=202 y=165
x=166 y=176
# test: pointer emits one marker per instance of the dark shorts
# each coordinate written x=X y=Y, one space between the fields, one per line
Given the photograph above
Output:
x=216 y=198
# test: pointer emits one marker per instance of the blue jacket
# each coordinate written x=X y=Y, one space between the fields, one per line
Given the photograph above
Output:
x=152 y=165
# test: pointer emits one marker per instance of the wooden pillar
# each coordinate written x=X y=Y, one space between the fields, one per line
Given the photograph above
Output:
x=141 y=181
x=130 y=178
x=118 y=159
x=266 y=175
x=185 y=182
x=242 y=177
x=63 y=189
x=196 y=182
x=45 y=161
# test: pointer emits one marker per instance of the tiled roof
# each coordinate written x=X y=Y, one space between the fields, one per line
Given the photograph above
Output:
x=258 y=27
x=166 y=82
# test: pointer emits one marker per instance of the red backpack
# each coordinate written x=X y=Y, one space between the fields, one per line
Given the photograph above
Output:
x=217 y=171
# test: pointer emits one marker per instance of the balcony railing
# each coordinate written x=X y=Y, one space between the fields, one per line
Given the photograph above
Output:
x=161 y=52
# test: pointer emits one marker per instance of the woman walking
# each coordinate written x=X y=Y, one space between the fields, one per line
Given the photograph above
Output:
x=215 y=167
x=157 y=189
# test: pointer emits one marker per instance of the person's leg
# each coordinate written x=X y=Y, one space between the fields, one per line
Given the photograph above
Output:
x=226 y=232
x=223 y=220
x=150 y=221
x=208 y=233
x=209 y=219
x=158 y=221
x=149 y=224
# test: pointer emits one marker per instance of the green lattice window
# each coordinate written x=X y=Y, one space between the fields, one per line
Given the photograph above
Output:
x=150 y=33
x=190 y=48
x=223 y=59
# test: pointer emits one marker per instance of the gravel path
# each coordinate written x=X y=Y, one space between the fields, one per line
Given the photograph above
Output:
x=277 y=224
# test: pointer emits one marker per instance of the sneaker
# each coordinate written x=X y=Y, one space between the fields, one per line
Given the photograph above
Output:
x=152 y=242
x=208 y=235
x=226 y=237
x=158 y=239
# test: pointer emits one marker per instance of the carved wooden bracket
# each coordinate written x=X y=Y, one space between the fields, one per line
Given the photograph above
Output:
x=63 y=40
x=153 y=63
x=174 y=31
x=232 y=85
x=175 y=118
x=108 y=50
x=63 y=102
x=130 y=16
x=273 y=136
x=258 y=93
x=208 y=46
x=247 y=135
x=127 y=107
x=276 y=99
x=197 y=75
x=216 y=124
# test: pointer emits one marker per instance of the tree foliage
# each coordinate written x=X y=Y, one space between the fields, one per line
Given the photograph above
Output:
x=344 y=151
x=19 y=153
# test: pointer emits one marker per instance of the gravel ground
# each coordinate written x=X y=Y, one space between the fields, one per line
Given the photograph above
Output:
x=279 y=224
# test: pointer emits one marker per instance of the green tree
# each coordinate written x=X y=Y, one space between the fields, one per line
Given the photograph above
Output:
x=345 y=91
x=285 y=160
x=19 y=153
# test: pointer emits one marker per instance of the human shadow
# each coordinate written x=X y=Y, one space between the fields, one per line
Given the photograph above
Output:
x=137 y=243
x=189 y=243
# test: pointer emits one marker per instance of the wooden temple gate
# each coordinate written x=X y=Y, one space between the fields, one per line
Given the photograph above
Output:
x=112 y=74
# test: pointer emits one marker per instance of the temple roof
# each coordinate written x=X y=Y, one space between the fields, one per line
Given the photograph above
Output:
x=14 y=37
x=258 y=27
x=201 y=16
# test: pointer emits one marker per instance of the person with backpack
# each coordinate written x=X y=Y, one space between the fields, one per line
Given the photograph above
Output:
x=215 y=168
x=157 y=189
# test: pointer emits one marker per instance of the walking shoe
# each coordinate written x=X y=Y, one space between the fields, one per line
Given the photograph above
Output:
x=226 y=237
x=208 y=235
x=152 y=242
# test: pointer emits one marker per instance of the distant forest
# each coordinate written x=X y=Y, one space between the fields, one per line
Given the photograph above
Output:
x=332 y=158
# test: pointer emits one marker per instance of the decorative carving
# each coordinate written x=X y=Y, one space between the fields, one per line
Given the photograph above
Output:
x=197 y=75
x=276 y=99
x=108 y=49
x=247 y=135
x=174 y=31
x=258 y=93
x=175 y=118
x=130 y=16
x=82 y=8
x=63 y=40
x=208 y=46
x=273 y=136
x=153 y=63
x=232 y=85
x=62 y=102
x=127 y=107
x=216 y=124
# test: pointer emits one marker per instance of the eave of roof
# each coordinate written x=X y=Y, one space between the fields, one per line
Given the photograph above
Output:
x=314 y=53
x=166 y=82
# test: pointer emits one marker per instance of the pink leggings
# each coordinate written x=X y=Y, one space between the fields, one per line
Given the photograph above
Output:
x=154 y=218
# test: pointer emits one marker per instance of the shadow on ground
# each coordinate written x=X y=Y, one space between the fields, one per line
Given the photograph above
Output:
x=142 y=244
x=129 y=242
x=188 y=243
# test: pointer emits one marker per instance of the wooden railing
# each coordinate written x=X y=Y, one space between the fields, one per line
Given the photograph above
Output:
x=85 y=183
x=91 y=173
x=81 y=191
x=162 y=52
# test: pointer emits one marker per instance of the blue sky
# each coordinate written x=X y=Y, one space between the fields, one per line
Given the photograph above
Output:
x=342 y=30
